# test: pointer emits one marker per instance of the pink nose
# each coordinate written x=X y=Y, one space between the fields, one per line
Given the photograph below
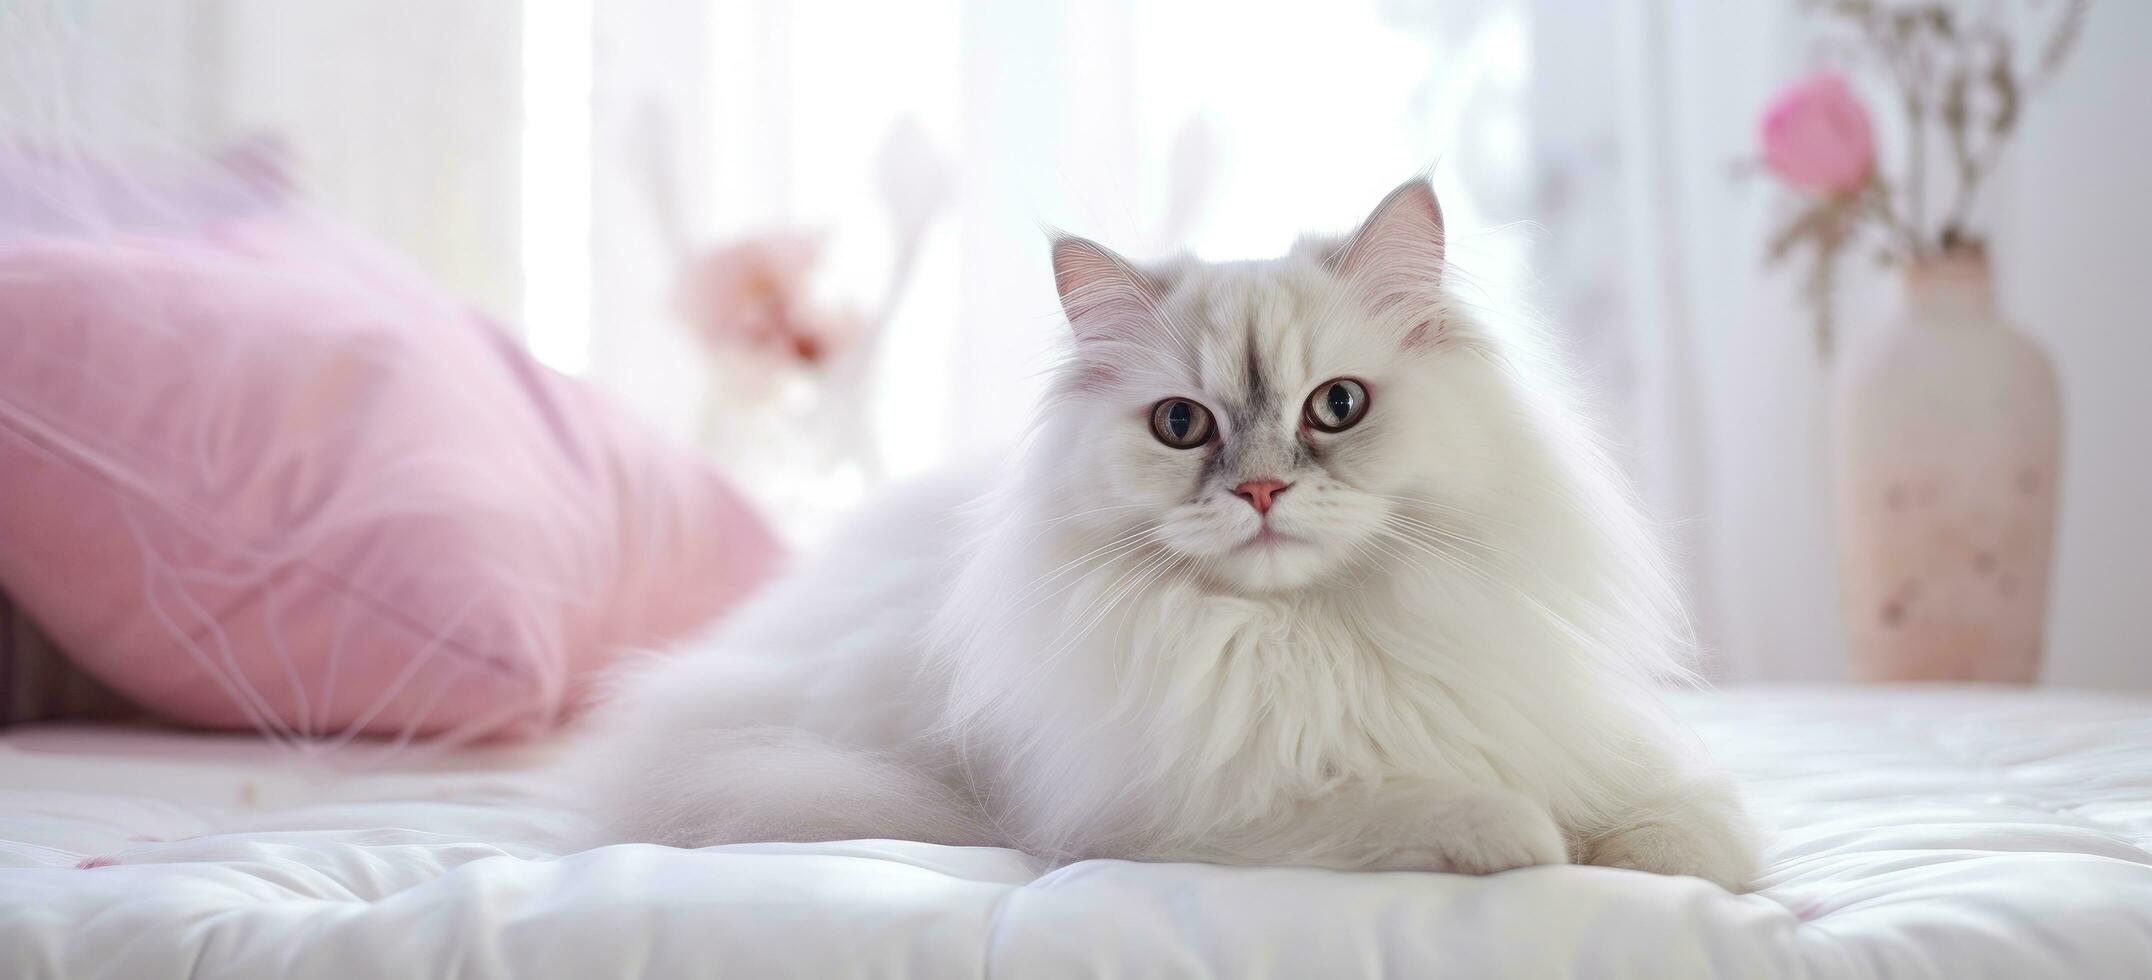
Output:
x=1259 y=493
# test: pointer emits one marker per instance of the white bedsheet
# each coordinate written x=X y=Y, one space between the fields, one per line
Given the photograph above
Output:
x=1948 y=832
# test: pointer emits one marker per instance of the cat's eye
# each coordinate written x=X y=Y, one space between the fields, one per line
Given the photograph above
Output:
x=1181 y=423
x=1337 y=405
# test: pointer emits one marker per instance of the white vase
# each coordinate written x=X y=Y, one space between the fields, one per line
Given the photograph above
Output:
x=1947 y=428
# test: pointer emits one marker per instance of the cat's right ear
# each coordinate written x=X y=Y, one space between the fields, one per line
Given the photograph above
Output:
x=1395 y=259
x=1103 y=294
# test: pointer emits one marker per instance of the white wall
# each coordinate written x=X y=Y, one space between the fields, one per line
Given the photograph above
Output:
x=2073 y=247
x=401 y=115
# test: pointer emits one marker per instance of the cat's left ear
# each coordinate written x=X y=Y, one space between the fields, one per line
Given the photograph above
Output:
x=1395 y=257
x=1103 y=294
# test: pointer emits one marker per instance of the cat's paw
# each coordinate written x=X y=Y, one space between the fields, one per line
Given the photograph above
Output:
x=1716 y=854
x=1479 y=832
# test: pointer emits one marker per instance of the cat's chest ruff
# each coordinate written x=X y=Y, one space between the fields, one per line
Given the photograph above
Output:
x=1296 y=680
x=1261 y=635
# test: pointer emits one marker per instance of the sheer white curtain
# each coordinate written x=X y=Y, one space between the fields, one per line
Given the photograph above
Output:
x=532 y=153
x=1657 y=267
x=1222 y=126
x=1727 y=391
x=1227 y=127
x=1583 y=150
x=401 y=116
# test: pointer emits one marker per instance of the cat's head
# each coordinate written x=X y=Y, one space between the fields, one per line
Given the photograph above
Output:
x=1279 y=424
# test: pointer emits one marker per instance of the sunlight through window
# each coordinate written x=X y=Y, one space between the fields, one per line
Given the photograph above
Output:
x=556 y=181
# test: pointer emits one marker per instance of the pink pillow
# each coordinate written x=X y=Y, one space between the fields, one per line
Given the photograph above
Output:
x=264 y=477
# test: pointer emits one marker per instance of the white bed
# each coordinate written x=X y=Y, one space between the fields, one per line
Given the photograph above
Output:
x=1947 y=832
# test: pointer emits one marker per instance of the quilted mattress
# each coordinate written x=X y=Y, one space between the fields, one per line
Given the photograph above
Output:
x=1915 y=832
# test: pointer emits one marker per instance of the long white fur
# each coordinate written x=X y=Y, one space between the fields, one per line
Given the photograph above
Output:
x=1448 y=664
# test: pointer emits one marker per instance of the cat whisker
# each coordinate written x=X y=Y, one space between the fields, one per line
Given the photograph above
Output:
x=1435 y=549
x=1444 y=508
x=1118 y=546
x=1488 y=550
x=1096 y=611
x=1126 y=550
x=1562 y=622
x=1043 y=526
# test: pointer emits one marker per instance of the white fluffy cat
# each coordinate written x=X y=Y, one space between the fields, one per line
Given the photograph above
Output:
x=1301 y=565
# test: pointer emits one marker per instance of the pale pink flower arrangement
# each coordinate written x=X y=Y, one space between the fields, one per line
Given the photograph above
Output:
x=1816 y=136
x=790 y=373
x=1960 y=86
x=753 y=297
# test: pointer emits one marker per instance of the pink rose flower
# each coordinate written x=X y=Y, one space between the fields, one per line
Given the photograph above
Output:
x=751 y=296
x=1817 y=137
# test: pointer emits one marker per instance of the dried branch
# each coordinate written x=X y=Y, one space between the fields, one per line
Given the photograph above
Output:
x=1958 y=77
x=1955 y=79
x=2010 y=94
